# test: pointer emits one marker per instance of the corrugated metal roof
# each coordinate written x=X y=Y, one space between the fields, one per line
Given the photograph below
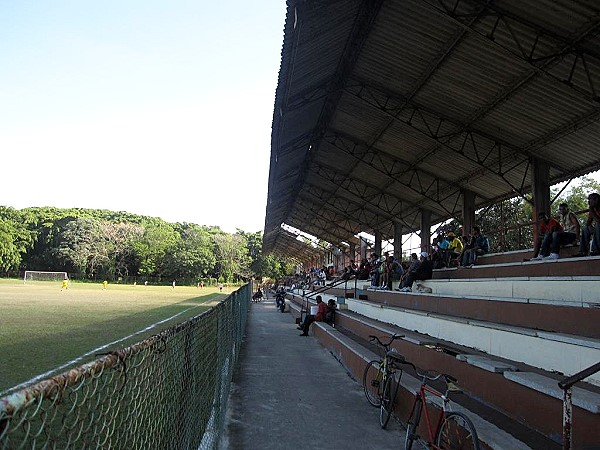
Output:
x=384 y=108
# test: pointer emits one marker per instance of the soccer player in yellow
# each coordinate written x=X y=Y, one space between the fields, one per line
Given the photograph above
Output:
x=65 y=284
x=104 y=283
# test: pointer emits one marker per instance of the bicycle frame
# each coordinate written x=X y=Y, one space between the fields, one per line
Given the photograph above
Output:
x=421 y=396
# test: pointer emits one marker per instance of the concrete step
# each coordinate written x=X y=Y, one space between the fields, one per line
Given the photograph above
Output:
x=586 y=266
x=567 y=354
x=519 y=255
x=579 y=291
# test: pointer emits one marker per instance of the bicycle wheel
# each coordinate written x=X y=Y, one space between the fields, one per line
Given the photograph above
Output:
x=390 y=389
x=457 y=432
x=373 y=382
x=413 y=424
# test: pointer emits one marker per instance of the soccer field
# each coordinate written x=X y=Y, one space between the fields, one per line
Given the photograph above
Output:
x=44 y=328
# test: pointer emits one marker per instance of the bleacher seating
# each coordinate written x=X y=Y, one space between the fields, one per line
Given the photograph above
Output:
x=507 y=329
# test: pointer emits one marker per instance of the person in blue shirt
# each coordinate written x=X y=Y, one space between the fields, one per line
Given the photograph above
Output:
x=479 y=245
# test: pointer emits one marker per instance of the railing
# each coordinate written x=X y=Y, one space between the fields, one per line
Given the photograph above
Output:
x=332 y=284
x=566 y=384
x=167 y=392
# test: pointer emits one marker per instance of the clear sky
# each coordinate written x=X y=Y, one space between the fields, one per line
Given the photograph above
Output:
x=159 y=108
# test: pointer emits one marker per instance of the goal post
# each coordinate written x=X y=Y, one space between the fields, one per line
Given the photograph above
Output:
x=36 y=275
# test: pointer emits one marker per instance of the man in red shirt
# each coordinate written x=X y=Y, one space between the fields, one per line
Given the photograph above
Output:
x=319 y=317
x=547 y=226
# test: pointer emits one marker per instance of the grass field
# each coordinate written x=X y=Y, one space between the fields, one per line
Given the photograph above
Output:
x=43 y=328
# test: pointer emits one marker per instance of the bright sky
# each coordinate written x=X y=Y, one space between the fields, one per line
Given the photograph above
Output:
x=159 y=108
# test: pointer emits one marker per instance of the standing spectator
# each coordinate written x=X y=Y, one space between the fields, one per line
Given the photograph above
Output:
x=480 y=245
x=547 y=227
x=591 y=229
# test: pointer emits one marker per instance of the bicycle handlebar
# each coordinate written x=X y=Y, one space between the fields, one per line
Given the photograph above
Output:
x=386 y=346
x=433 y=375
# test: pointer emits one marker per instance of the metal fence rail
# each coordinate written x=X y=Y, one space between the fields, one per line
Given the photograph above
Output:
x=166 y=392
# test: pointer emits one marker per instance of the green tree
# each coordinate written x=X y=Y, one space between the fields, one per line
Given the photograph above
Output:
x=194 y=256
x=233 y=262
x=15 y=239
x=82 y=247
x=157 y=242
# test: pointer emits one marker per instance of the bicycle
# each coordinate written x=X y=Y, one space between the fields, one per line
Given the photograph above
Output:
x=378 y=379
x=454 y=430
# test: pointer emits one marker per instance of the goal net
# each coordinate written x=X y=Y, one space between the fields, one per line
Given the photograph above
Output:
x=35 y=275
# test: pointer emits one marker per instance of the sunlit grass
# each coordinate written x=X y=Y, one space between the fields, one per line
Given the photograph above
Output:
x=43 y=327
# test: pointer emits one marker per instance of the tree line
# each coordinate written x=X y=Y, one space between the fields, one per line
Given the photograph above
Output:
x=103 y=244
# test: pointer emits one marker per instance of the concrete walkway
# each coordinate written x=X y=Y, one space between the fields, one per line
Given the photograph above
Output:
x=288 y=391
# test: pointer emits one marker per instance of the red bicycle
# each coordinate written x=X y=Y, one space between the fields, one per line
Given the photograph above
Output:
x=454 y=430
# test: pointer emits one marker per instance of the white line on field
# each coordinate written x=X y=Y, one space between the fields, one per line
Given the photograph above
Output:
x=45 y=375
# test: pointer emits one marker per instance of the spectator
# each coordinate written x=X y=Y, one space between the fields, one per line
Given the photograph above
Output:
x=412 y=268
x=319 y=317
x=385 y=271
x=480 y=245
x=375 y=263
x=591 y=229
x=395 y=271
x=350 y=270
x=455 y=247
x=321 y=276
x=547 y=227
x=423 y=272
x=330 y=314
x=364 y=270
x=440 y=252
x=571 y=230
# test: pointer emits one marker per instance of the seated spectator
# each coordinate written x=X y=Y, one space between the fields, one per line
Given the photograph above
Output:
x=438 y=254
x=330 y=314
x=364 y=270
x=350 y=270
x=591 y=229
x=423 y=272
x=375 y=265
x=412 y=268
x=547 y=227
x=455 y=247
x=319 y=317
x=395 y=271
x=571 y=230
x=480 y=245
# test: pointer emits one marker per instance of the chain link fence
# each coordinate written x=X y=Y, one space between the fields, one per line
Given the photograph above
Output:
x=167 y=392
